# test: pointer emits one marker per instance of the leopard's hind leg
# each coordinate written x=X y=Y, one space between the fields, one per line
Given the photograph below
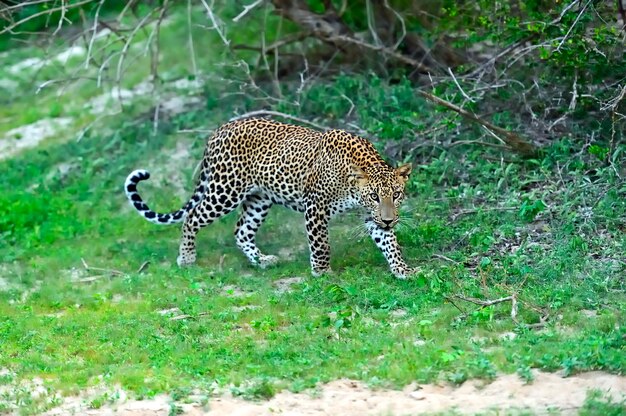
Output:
x=254 y=210
x=219 y=200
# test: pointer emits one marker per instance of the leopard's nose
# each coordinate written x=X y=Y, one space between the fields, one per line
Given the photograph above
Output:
x=387 y=222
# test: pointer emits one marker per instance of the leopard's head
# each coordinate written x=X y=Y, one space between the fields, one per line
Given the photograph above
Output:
x=381 y=188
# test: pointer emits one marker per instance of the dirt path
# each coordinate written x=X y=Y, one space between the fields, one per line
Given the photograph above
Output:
x=549 y=393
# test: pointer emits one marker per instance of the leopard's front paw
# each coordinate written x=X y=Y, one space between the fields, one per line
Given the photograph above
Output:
x=186 y=259
x=402 y=272
x=319 y=272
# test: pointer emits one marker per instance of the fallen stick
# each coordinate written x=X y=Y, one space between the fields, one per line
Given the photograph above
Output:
x=100 y=269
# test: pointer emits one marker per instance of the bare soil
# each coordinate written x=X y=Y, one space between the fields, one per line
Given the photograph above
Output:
x=547 y=393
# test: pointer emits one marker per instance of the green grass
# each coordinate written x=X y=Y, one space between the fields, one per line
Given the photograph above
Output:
x=550 y=231
x=344 y=325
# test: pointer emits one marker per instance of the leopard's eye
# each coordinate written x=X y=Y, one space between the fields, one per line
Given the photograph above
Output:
x=397 y=195
x=374 y=196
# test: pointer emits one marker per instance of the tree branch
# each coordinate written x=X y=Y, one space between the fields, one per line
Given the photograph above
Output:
x=510 y=138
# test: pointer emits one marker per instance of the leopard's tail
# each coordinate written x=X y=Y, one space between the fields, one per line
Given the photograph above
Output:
x=142 y=208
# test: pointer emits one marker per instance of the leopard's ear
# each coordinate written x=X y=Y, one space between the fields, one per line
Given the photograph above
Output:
x=404 y=171
x=358 y=175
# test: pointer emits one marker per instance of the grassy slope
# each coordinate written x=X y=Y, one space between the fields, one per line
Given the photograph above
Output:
x=359 y=323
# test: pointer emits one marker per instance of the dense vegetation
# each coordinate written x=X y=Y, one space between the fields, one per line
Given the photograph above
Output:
x=541 y=230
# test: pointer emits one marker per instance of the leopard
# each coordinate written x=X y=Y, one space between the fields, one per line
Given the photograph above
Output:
x=256 y=163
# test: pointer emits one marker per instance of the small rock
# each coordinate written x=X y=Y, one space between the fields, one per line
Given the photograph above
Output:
x=398 y=313
x=507 y=336
x=589 y=313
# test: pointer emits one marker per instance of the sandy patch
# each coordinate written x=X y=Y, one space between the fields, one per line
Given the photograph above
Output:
x=398 y=313
x=285 y=285
x=61 y=170
x=31 y=135
x=178 y=104
x=8 y=84
x=110 y=102
x=26 y=64
x=69 y=53
x=238 y=309
x=33 y=64
x=548 y=393
x=187 y=84
x=234 y=292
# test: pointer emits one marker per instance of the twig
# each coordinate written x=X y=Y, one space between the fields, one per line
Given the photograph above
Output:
x=186 y=316
x=143 y=266
x=93 y=36
x=215 y=23
x=246 y=10
x=63 y=7
x=473 y=211
x=352 y=106
x=61 y=19
x=124 y=51
x=100 y=269
x=371 y=24
x=514 y=309
x=449 y=299
x=459 y=86
x=582 y=11
x=572 y=103
x=279 y=43
x=441 y=256
x=278 y=114
x=85 y=129
x=478 y=142
x=155 y=120
x=192 y=50
x=58 y=81
x=385 y=50
x=402 y=24
x=485 y=303
x=89 y=279
x=154 y=56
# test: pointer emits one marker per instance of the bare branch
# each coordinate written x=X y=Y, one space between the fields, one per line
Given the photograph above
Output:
x=278 y=44
x=459 y=86
x=61 y=8
x=93 y=35
x=385 y=50
x=510 y=138
x=124 y=51
x=192 y=50
x=582 y=11
x=61 y=19
x=371 y=24
x=215 y=22
x=246 y=10
x=402 y=24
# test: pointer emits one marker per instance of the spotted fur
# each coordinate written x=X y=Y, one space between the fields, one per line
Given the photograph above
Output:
x=256 y=163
